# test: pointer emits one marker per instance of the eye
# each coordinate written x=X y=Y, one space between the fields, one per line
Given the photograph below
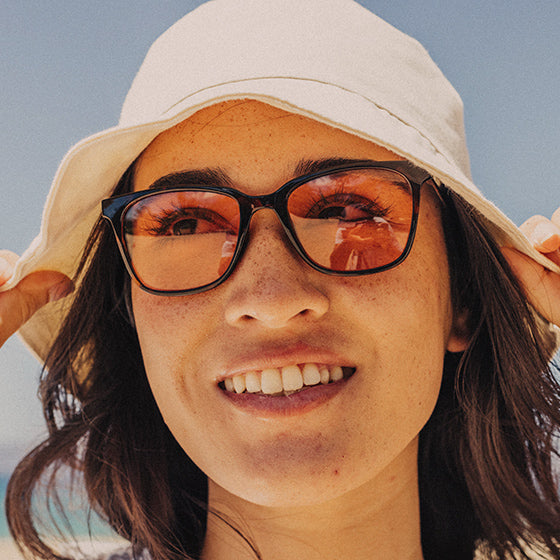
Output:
x=182 y=214
x=190 y=221
x=184 y=227
x=344 y=206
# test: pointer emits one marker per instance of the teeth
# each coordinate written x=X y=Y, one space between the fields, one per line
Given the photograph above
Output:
x=311 y=375
x=239 y=383
x=292 y=379
x=287 y=380
x=253 y=382
x=336 y=374
x=325 y=375
x=271 y=381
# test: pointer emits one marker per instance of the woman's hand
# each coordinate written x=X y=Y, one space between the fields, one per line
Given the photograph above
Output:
x=541 y=285
x=35 y=290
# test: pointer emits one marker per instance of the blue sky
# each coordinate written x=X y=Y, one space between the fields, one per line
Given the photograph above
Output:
x=66 y=66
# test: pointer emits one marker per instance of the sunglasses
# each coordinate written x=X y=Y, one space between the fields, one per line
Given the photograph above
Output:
x=348 y=220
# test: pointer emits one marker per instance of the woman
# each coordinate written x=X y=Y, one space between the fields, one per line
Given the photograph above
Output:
x=347 y=369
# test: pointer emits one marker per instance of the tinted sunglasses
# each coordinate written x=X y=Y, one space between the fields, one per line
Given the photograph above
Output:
x=348 y=220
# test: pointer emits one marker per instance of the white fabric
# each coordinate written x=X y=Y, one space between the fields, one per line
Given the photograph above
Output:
x=331 y=60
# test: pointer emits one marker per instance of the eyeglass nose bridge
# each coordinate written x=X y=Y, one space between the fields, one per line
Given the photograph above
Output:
x=275 y=201
x=256 y=202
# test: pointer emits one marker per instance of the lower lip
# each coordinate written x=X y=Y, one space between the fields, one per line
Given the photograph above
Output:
x=296 y=403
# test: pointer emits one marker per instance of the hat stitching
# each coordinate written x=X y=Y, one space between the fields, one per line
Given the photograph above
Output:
x=342 y=88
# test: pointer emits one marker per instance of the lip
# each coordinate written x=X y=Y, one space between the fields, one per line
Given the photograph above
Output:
x=301 y=402
x=266 y=406
x=281 y=356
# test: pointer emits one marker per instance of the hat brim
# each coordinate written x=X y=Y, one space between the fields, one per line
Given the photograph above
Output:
x=92 y=168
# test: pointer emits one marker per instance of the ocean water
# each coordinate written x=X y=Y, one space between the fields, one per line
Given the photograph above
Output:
x=3 y=523
x=75 y=509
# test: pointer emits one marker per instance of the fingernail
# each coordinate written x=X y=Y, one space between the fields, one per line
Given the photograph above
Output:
x=6 y=269
x=60 y=290
x=547 y=236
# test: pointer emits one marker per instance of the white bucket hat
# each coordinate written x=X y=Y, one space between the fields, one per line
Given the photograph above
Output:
x=330 y=60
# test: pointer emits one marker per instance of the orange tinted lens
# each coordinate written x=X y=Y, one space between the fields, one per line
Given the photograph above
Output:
x=354 y=220
x=181 y=240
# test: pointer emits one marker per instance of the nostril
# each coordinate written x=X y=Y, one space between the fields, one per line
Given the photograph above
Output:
x=275 y=309
x=246 y=318
x=272 y=286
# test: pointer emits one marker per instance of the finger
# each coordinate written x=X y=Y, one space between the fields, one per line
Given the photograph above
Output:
x=35 y=290
x=542 y=286
x=543 y=234
x=556 y=217
x=7 y=263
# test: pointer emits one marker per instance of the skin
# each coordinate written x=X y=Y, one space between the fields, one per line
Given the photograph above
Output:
x=339 y=480
x=541 y=285
x=35 y=290
x=394 y=326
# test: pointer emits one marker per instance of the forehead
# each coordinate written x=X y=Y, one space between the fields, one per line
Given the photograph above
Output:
x=256 y=144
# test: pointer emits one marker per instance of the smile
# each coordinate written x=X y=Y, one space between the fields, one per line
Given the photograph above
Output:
x=287 y=380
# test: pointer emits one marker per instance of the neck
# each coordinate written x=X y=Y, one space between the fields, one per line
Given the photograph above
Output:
x=378 y=520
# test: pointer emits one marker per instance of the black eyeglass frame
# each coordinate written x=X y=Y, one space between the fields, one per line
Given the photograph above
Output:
x=114 y=208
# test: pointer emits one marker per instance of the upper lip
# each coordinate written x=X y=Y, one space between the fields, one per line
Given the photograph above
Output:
x=280 y=356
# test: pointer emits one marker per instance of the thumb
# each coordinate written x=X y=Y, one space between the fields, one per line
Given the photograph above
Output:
x=542 y=286
x=21 y=302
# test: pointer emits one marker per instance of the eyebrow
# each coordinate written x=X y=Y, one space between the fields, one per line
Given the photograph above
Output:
x=307 y=166
x=216 y=176
x=194 y=177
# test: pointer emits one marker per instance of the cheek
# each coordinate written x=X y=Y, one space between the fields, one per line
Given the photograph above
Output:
x=407 y=309
x=170 y=327
x=405 y=317
x=403 y=381
x=171 y=330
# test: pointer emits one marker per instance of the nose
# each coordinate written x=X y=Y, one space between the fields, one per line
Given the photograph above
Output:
x=272 y=286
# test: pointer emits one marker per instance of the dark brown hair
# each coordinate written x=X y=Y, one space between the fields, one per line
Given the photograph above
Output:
x=486 y=454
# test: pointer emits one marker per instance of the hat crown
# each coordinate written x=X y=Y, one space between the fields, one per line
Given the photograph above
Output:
x=331 y=60
x=336 y=42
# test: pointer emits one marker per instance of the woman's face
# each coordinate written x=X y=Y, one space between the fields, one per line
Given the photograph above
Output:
x=391 y=329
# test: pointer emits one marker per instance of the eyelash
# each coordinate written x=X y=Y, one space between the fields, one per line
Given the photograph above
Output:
x=167 y=218
x=321 y=201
